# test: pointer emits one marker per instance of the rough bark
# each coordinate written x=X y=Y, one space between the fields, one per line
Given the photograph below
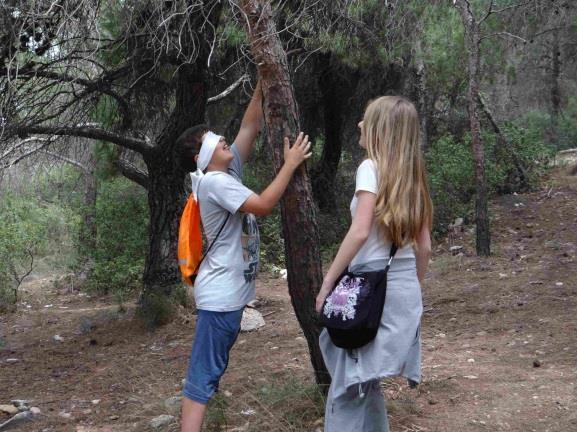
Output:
x=297 y=206
x=166 y=187
x=325 y=171
x=132 y=172
x=472 y=42
x=422 y=102
x=555 y=88
x=166 y=179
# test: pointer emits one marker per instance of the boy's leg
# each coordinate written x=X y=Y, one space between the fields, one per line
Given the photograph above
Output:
x=215 y=335
x=192 y=415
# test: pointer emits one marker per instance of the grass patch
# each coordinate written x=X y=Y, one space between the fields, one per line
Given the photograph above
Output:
x=216 y=419
x=295 y=403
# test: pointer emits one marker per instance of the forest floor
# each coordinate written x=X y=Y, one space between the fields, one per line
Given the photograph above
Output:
x=499 y=344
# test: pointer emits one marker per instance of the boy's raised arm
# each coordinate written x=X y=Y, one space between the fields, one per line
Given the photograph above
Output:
x=251 y=124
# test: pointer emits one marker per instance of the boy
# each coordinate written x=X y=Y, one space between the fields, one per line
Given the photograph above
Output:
x=226 y=277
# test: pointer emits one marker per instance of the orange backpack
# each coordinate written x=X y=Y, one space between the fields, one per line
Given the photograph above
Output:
x=190 y=241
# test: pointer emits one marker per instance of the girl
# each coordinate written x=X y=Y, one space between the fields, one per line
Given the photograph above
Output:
x=391 y=205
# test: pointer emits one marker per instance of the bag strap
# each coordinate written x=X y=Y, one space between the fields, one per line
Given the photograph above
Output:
x=391 y=256
x=217 y=234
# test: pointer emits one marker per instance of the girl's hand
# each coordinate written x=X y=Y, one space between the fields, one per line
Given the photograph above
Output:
x=326 y=288
x=298 y=153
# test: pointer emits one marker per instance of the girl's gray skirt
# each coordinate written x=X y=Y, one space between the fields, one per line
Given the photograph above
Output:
x=354 y=401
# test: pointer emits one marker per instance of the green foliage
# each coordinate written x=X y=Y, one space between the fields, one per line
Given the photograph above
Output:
x=369 y=36
x=122 y=221
x=112 y=25
x=527 y=136
x=59 y=186
x=106 y=155
x=450 y=167
x=443 y=49
x=106 y=111
x=450 y=170
x=216 y=419
x=233 y=34
x=29 y=229
x=272 y=250
x=567 y=126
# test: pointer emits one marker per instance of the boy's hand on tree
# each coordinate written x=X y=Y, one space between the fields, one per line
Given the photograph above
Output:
x=298 y=153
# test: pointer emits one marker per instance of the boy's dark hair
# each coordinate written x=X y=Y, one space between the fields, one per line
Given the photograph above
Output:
x=188 y=146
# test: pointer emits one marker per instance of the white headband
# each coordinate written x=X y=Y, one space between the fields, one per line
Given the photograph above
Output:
x=207 y=148
x=209 y=143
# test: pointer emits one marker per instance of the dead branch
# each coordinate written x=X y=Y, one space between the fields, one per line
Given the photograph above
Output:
x=503 y=140
x=69 y=161
x=503 y=34
x=93 y=132
x=228 y=90
x=19 y=279
x=132 y=172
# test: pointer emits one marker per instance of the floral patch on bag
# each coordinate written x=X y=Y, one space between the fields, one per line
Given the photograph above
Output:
x=343 y=299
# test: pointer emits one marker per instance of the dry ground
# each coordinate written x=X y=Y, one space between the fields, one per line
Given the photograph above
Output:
x=499 y=344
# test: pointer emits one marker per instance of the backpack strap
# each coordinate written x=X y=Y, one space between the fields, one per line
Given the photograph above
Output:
x=217 y=234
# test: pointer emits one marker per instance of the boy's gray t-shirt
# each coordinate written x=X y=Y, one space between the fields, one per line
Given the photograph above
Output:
x=226 y=278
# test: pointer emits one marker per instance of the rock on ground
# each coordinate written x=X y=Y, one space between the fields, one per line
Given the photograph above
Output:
x=161 y=421
x=173 y=404
x=251 y=320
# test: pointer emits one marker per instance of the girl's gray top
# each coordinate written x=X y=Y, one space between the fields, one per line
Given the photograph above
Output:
x=396 y=350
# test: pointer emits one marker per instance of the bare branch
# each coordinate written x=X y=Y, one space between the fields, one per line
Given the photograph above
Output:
x=489 y=12
x=19 y=279
x=22 y=144
x=69 y=161
x=93 y=132
x=503 y=35
x=512 y=7
x=132 y=172
x=503 y=140
x=46 y=143
x=548 y=30
x=228 y=90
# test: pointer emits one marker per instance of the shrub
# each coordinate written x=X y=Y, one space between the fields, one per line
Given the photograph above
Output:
x=567 y=133
x=451 y=168
x=121 y=243
x=29 y=229
x=450 y=172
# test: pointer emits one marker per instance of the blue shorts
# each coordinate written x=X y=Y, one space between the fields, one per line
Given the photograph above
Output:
x=215 y=335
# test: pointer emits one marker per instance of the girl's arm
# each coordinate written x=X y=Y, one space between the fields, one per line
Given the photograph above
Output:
x=352 y=243
x=423 y=252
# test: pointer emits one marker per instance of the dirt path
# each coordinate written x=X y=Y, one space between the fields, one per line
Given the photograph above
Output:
x=499 y=345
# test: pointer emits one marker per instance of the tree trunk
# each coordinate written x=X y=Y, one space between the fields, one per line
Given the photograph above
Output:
x=422 y=101
x=297 y=206
x=166 y=179
x=166 y=190
x=472 y=42
x=325 y=172
x=555 y=88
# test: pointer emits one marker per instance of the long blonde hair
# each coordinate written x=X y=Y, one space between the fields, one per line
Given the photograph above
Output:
x=392 y=136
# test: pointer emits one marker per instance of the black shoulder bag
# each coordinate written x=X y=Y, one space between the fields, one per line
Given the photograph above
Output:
x=352 y=311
